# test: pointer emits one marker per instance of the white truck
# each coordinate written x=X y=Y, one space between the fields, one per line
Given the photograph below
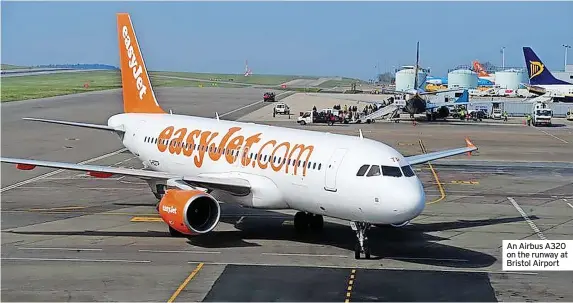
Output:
x=281 y=108
x=570 y=114
x=541 y=114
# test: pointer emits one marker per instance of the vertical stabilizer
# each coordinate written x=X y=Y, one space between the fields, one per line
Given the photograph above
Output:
x=138 y=96
x=536 y=70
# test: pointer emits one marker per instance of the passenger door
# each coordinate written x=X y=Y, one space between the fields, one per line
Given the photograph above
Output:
x=332 y=169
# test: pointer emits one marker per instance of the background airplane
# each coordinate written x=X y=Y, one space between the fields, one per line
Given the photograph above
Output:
x=416 y=104
x=542 y=82
x=191 y=163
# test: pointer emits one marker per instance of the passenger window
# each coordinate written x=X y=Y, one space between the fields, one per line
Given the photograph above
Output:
x=391 y=171
x=314 y=165
x=319 y=165
x=309 y=164
x=251 y=156
x=407 y=171
x=374 y=171
x=362 y=170
x=265 y=159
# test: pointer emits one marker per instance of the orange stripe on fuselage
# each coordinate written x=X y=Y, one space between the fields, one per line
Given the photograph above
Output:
x=183 y=142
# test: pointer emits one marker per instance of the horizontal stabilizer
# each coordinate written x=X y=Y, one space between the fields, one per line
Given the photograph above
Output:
x=78 y=124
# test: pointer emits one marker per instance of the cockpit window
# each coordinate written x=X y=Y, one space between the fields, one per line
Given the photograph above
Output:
x=407 y=171
x=362 y=170
x=391 y=171
x=374 y=171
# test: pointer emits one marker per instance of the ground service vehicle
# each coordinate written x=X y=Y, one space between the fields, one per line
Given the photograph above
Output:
x=269 y=97
x=282 y=109
x=570 y=115
x=541 y=114
x=496 y=114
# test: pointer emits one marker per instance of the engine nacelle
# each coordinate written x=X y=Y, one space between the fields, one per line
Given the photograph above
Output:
x=190 y=211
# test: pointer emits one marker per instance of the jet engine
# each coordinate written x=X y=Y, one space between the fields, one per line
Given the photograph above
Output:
x=189 y=211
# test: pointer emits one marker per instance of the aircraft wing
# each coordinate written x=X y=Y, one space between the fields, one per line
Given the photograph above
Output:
x=418 y=159
x=235 y=185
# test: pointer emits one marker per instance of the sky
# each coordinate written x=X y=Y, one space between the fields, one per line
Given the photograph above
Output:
x=298 y=38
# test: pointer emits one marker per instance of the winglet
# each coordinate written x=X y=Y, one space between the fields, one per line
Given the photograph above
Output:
x=138 y=96
x=470 y=145
x=360 y=130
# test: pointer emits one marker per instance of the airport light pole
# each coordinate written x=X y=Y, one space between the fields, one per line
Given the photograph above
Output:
x=566 y=47
x=503 y=57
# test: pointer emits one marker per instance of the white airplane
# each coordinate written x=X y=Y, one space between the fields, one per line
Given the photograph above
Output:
x=192 y=163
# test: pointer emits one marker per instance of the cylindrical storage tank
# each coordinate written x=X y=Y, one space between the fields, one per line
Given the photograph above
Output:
x=462 y=78
x=405 y=79
x=510 y=79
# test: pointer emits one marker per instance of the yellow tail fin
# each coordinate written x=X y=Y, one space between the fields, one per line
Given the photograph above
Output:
x=138 y=96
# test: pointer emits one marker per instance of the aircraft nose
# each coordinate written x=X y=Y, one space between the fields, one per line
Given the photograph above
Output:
x=411 y=201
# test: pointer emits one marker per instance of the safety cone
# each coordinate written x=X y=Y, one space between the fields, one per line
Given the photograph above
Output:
x=414 y=122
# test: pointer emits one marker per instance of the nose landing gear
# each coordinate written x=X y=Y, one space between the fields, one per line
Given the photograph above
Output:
x=361 y=246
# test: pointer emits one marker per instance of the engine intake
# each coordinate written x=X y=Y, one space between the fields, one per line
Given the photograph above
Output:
x=190 y=211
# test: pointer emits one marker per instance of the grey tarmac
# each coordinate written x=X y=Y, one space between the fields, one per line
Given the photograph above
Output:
x=70 y=237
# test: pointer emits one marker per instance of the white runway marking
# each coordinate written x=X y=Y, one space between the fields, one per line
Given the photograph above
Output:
x=524 y=215
x=86 y=188
x=60 y=248
x=179 y=251
x=428 y=259
x=551 y=135
x=570 y=204
x=75 y=260
x=40 y=177
x=303 y=255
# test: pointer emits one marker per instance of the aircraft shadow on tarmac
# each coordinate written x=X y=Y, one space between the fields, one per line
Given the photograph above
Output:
x=411 y=243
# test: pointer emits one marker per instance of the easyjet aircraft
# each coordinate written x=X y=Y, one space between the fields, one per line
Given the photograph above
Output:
x=191 y=163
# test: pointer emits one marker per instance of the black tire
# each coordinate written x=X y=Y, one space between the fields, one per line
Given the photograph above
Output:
x=357 y=251
x=316 y=222
x=301 y=223
x=157 y=196
x=174 y=233
x=366 y=250
x=302 y=122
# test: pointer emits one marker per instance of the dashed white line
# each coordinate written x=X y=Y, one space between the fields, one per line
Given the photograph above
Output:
x=551 y=135
x=40 y=177
x=180 y=251
x=524 y=215
x=570 y=204
x=75 y=260
x=304 y=255
x=60 y=248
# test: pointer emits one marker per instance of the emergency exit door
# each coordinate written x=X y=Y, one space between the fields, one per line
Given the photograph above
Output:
x=332 y=169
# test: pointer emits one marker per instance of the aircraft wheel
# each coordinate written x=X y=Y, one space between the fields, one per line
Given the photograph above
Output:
x=357 y=251
x=301 y=223
x=316 y=222
x=174 y=233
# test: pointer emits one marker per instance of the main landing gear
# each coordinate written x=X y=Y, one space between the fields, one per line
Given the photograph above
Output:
x=361 y=246
x=303 y=221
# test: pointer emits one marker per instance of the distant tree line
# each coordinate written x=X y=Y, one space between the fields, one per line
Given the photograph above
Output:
x=386 y=78
x=79 y=66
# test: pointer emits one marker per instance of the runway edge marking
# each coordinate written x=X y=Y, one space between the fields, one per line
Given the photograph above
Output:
x=524 y=215
x=46 y=175
x=182 y=286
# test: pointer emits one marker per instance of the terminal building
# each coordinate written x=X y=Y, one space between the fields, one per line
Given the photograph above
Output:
x=566 y=75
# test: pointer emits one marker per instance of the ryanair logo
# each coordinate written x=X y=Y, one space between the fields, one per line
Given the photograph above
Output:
x=535 y=69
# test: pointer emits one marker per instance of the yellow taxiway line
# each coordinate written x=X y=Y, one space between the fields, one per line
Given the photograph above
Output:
x=440 y=187
x=182 y=286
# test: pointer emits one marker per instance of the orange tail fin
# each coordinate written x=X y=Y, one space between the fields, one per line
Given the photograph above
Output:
x=138 y=96
x=478 y=68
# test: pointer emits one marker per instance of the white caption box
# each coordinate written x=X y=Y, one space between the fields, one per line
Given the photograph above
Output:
x=537 y=255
